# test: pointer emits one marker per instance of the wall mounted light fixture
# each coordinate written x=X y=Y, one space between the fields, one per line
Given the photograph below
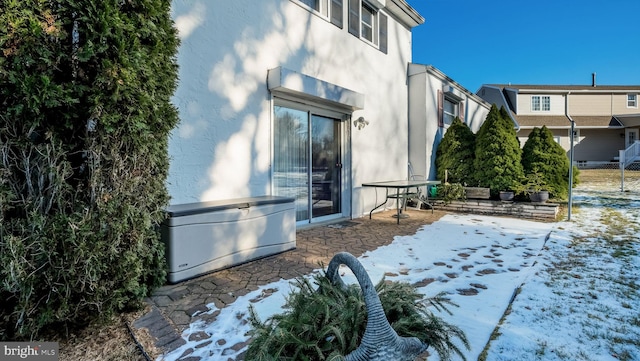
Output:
x=360 y=123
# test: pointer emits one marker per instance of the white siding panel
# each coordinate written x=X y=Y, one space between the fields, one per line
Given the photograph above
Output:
x=590 y=104
x=556 y=104
x=620 y=104
x=598 y=145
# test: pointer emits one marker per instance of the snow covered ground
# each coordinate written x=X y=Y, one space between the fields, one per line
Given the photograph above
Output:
x=583 y=302
x=526 y=290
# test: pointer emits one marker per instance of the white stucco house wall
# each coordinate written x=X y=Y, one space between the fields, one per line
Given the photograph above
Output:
x=434 y=101
x=298 y=98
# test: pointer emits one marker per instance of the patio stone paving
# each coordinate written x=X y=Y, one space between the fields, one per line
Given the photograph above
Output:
x=174 y=307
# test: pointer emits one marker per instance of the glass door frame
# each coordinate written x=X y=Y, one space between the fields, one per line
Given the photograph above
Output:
x=325 y=165
x=345 y=159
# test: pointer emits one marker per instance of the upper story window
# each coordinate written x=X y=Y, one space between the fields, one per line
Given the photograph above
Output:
x=450 y=111
x=317 y=5
x=632 y=100
x=540 y=103
x=330 y=9
x=365 y=19
x=368 y=23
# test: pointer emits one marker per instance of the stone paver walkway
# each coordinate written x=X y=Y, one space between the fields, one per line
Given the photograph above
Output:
x=174 y=307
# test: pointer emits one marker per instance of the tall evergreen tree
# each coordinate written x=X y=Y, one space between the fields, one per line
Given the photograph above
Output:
x=85 y=88
x=455 y=154
x=543 y=154
x=498 y=154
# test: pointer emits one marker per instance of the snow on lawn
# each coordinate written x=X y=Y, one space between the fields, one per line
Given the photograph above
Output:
x=583 y=302
x=578 y=301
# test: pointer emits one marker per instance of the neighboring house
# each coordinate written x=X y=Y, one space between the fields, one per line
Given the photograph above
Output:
x=607 y=118
x=300 y=98
x=434 y=101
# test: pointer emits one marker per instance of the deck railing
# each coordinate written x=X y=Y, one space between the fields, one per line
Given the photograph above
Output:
x=630 y=154
x=627 y=157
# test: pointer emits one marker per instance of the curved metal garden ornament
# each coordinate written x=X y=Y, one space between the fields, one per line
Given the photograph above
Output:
x=380 y=341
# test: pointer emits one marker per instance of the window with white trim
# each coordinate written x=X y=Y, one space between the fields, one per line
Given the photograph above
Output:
x=314 y=4
x=329 y=9
x=540 y=103
x=368 y=23
x=546 y=104
x=632 y=100
x=450 y=111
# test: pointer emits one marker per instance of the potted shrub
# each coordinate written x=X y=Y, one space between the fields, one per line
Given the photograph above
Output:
x=535 y=186
x=449 y=192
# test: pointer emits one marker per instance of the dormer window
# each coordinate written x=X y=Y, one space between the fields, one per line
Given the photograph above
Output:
x=540 y=103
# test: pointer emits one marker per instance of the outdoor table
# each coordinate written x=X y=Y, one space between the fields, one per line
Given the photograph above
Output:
x=402 y=191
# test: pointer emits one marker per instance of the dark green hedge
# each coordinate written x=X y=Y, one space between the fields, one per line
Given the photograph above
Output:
x=456 y=154
x=85 y=115
x=543 y=154
x=498 y=154
x=492 y=158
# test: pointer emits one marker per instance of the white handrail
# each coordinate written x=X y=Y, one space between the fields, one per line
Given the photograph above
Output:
x=631 y=154
x=628 y=156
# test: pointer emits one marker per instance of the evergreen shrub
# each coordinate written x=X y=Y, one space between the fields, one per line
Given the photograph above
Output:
x=497 y=154
x=542 y=153
x=455 y=154
x=85 y=115
x=322 y=321
x=449 y=192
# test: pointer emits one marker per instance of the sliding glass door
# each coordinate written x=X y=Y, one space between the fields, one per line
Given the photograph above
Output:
x=326 y=166
x=308 y=162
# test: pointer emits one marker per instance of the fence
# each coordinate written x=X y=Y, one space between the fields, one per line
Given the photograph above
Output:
x=609 y=174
